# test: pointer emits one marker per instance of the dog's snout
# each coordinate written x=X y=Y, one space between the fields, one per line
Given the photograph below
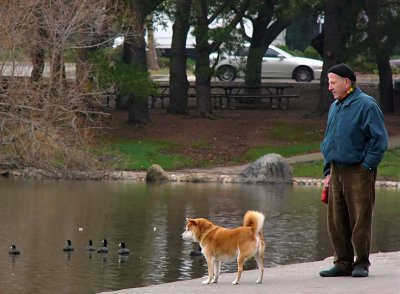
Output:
x=186 y=235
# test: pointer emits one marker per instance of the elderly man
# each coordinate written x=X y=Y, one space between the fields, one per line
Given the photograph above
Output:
x=354 y=144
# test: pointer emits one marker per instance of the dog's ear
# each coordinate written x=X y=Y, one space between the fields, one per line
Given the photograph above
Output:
x=191 y=220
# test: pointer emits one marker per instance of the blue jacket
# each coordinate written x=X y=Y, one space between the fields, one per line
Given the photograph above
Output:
x=355 y=132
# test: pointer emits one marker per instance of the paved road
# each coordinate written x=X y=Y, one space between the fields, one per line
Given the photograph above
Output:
x=361 y=79
x=23 y=69
x=296 y=278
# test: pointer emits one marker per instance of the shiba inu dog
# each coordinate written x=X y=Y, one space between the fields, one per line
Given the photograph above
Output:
x=221 y=244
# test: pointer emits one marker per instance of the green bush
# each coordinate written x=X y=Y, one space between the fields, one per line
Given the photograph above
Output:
x=363 y=64
x=191 y=64
x=292 y=52
x=109 y=70
x=310 y=52
x=163 y=62
x=395 y=69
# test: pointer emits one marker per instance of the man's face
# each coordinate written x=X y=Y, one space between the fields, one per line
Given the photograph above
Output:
x=338 y=85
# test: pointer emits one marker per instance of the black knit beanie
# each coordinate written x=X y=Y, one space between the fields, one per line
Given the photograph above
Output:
x=344 y=71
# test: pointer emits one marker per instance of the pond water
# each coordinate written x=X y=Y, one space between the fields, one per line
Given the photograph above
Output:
x=39 y=216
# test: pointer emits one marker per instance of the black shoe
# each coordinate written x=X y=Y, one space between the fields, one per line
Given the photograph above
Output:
x=335 y=272
x=360 y=272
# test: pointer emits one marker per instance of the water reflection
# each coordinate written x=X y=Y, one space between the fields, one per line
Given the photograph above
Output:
x=39 y=216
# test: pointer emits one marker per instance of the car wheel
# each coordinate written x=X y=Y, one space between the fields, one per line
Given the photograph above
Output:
x=303 y=74
x=226 y=73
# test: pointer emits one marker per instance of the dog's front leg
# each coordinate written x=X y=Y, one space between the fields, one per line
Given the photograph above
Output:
x=210 y=265
x=217 y=269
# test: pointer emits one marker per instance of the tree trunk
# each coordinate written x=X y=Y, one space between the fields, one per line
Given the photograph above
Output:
x=318 y=43
x=134 y=52
x=336 y=35
x=382 y=49
x=256 y=52
x=203 y=71
x=38 y=54
x=203 y=84
x=138 y=112
x=263 y=35
x=178 y=82
x=38 y=51
x=57 y=71
x=385 y=83
x=151 y=45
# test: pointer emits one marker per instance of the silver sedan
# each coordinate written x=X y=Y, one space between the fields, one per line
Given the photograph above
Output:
x=276 y=63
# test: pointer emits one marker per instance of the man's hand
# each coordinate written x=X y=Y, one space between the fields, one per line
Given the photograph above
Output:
x=327 y=181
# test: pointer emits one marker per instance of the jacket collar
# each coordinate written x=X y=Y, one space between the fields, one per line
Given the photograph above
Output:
x=350 y=98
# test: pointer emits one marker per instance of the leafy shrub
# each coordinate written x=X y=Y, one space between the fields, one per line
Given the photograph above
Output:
x=110 y=71
x=364 y=64
x=310 y=52
x=163 y=62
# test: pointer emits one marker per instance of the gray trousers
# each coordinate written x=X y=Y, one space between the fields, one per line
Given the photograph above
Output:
x=350 y=206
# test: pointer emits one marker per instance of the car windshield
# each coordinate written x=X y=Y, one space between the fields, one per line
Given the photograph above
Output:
x=271 y=53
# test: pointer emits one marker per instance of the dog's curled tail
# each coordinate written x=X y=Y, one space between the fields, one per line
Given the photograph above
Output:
x=254 y=219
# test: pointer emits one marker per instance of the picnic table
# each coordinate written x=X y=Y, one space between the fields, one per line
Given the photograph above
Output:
x=237 y=93
x=164 y=94
x=240 y=93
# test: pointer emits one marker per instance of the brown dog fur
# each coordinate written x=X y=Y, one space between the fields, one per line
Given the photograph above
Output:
x=221 y=244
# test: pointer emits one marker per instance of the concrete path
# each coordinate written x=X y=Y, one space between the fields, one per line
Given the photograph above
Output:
x=384 y=278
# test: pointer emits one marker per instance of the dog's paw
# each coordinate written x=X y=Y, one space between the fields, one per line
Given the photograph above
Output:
x=259 y=281
x=206 y=282
x=214 y=281
x=235 y=282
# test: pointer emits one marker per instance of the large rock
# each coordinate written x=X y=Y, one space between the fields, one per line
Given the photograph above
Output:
x=270 y=168
x=155 y=173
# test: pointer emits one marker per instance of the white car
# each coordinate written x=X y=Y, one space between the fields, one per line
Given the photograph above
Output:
x=395 y=62
x=276 y=63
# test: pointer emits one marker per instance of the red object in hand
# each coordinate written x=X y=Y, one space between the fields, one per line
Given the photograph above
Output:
x=324 y=195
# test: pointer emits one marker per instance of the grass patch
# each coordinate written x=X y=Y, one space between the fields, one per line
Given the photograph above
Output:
x=302 y=138
x=295 y=133
x=390 y=166
x=387 y=170
x=139 y=155
x=309 y=170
